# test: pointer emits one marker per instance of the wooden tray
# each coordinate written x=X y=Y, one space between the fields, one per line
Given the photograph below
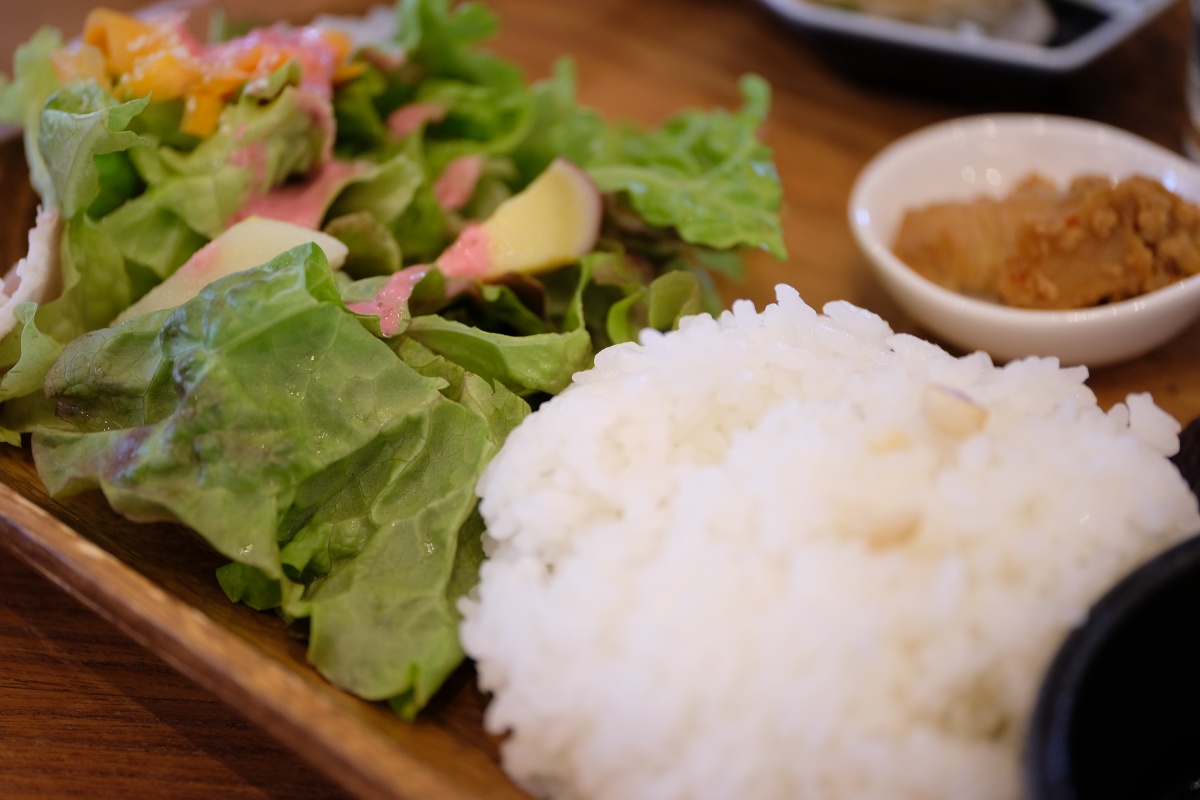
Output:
x=162 y=593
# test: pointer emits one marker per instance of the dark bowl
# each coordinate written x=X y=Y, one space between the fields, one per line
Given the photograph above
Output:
x=1118 y=716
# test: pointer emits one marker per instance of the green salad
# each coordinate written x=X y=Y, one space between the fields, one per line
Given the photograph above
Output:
x=454 y=243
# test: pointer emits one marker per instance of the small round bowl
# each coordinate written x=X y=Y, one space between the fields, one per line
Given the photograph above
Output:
x=988 y=155
x=1119 y=712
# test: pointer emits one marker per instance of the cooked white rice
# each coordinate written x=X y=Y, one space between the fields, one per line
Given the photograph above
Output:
x=770 y=556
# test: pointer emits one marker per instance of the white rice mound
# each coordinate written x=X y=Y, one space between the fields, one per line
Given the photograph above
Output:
x=795 y=555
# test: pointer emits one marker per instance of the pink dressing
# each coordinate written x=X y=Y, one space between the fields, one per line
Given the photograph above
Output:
x=302 y=203
x=384 y=60
x=456 y=184
x=184 y=37
x=253 y=157
x=200 y=261
x=390 y=301
x=406 y=119
x=320 y=110
x=469 y=255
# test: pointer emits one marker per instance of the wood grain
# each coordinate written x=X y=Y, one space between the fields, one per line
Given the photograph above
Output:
x=66 y=676
x=85 y=712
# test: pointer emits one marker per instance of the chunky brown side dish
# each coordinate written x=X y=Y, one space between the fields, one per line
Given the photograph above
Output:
x=1098 y=242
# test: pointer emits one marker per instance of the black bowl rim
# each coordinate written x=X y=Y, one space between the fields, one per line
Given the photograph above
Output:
x=1047 y=758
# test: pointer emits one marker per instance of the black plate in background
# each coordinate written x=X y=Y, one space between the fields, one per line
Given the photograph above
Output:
x=870 y=45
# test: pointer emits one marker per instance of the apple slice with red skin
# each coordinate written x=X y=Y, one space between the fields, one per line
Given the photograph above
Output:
x=253 y=241
x=552 y=222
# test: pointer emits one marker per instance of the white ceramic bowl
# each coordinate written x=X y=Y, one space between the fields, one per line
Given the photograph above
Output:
x=987 y=155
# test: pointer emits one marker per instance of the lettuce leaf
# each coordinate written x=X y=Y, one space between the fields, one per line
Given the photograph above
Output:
x=136 y=209
x=360 y=107
x=561 y=127
x=385 y=190
x=538 y=357
x=444 y=43
x=22 y=404
x=705 y=174
x=526 y=364
x=227 y=450
x=372 y=248
x=260 y=143
x=78 y=124
x=381 y=604
x=336 y=472
x=22 y=98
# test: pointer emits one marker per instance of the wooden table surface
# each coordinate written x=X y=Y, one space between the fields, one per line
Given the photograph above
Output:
x=86 y=712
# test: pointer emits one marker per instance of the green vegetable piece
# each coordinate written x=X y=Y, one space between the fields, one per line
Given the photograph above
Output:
x=336 y=474
x=373 y=250
x=80 y=122
x=442 y=42
x=360 y=124
x=706 y=175
x=22 y=99
x=119 y=182
x=229 y=457
x=386 y=190
x=243 y=584
x=538 y=363
x=22 y=403
x=660 y=306
x=560 y=128
x=146 y=232
x=96 y=284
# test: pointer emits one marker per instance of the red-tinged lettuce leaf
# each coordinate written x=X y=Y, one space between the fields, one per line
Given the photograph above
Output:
x=261 y=142
x=337 y=472
x=274 y=381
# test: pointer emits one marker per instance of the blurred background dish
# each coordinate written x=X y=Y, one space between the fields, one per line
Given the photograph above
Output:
x=1043 y=37
x=988 y=155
